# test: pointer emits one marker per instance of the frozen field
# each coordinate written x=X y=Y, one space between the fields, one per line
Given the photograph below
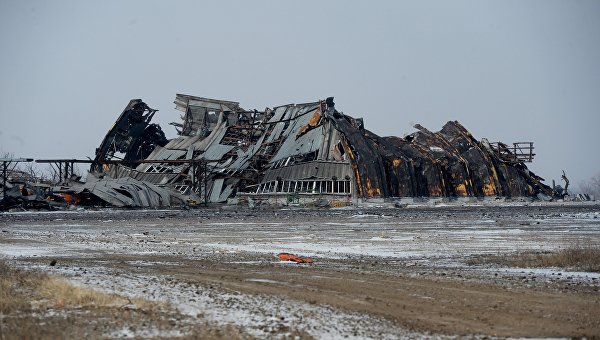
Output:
x=378 y=273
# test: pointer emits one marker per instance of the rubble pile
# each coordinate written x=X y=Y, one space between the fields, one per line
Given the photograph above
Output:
x=293 y=153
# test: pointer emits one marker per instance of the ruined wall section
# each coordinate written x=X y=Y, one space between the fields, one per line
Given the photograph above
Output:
x=367 y=163
x=479 y=162
x=412 y=168
x=308 y=156
x=448 y=163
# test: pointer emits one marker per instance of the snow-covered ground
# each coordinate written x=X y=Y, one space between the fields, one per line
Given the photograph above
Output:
x=416 y=236
x=424 y=238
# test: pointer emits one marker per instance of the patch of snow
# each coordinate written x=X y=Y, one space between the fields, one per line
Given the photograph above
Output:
x=551 y=272
x=265 y=281
x=145 y=333
x=18 y=250
x=259 y=315
x=364 y=216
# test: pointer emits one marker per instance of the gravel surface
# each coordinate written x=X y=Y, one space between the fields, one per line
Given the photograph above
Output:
x=379 y=272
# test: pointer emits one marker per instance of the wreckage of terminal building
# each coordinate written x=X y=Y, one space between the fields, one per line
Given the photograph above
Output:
x=295 y=152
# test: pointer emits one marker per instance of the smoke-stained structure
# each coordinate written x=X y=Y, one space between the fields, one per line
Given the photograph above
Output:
x=313 y=150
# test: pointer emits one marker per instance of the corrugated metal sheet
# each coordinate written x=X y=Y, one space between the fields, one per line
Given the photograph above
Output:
x=319 y=170
x=300 y=118
x=166 y=153
x=154 y=178
x=182 y=143
x=226 y=193
x=217 y=151
x=242 y=162
x=118 y=171
x=278 y=114
x=190 y=152
x=155 y=152
x=276 y=132
x=182 y=101
x=306 y=143
x=177 y=143
x=215 y=137
x=215 y=193
x=163 y=153
x=127 y=192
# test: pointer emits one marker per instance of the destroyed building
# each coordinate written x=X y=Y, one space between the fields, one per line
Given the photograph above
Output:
x=301 y=151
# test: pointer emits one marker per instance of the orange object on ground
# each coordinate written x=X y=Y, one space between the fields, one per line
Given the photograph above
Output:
x=294 y=258
x=69 y=198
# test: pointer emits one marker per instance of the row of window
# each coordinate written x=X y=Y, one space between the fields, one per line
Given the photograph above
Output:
x=306 y=186
x=297 y=159
x=158 y=169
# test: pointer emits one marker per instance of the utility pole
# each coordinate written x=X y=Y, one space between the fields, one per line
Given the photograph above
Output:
x=205 y=179
x=4 y=171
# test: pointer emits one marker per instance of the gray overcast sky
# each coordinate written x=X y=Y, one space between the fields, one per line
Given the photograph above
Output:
x=507 y=70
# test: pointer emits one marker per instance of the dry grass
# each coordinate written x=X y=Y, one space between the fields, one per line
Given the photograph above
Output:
x=16 y=288
x=34 y=305
x=60 y=294
x=21 y=290
x=580 y=257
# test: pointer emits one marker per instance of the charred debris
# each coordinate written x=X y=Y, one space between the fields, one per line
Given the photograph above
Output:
x=307 y=153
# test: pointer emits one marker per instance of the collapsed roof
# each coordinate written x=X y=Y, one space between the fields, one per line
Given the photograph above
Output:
x=309 y=149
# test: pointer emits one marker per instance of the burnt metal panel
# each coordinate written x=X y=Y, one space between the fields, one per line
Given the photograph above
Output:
x=132 y=135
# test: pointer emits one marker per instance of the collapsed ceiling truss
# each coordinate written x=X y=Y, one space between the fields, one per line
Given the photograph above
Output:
x=311 y=148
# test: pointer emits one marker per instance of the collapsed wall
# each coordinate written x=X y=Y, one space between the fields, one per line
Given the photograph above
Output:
x=448 y=163
x=313 y=149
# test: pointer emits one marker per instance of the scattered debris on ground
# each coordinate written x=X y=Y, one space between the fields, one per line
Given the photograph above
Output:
x=287 y=257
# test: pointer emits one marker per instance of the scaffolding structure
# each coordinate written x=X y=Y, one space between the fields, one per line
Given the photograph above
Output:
x=519 y=152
